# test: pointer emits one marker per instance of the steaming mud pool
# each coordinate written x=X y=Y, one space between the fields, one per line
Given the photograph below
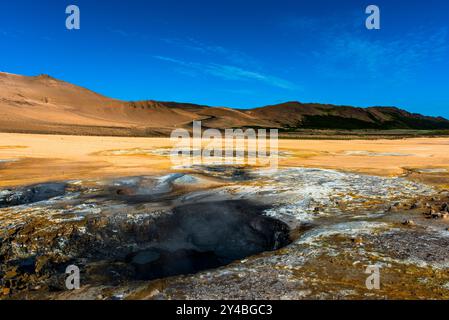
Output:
x=224 y=232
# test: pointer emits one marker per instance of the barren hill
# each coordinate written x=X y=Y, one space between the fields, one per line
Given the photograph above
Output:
x=296 y=115
x=43 y=104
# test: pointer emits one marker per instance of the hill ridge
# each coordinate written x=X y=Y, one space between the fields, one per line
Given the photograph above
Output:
x=43 y=104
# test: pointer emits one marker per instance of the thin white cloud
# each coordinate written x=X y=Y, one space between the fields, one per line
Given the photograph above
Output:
x=168 y=59
x=236 y=73
x=356 y=55
x=120 y=32
x=8 y=34
x=229 y=72
x=231 y=55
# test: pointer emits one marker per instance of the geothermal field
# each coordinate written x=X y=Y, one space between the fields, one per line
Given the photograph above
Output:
x=139 y=227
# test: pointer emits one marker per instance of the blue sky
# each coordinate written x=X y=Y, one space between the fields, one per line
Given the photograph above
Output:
x=242 y=54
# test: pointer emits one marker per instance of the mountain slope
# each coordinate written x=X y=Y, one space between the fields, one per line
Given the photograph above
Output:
x=43 y=104
x=295 y=115
x=47 y=105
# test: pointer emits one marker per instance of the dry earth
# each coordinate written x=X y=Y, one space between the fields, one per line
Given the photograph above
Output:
x=27 y=159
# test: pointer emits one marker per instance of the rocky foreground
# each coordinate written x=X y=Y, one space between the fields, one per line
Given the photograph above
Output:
x=226 y=233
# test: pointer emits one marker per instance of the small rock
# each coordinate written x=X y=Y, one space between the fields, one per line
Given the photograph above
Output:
x=436 y=215
x=408 y=223
x=41 y=263
x=11 y=274
x=444 y=194
x=358 y=240
x=433 y=214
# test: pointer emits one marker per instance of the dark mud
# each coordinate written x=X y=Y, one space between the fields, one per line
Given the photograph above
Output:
x=208 y=235
x=193 y=238
x=231 y=173
x=112 y=250
x=31 y=194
